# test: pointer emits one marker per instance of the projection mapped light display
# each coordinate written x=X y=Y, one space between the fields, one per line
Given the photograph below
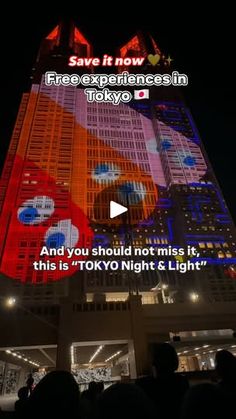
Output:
x=59 y=186
x=69 y=158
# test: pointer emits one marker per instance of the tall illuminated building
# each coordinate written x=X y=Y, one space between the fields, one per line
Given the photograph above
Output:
x=68 y=158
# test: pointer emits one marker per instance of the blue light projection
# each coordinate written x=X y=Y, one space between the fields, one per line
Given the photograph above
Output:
x=189 y=161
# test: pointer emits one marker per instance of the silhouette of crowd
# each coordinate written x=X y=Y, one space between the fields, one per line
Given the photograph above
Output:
x=164 y=393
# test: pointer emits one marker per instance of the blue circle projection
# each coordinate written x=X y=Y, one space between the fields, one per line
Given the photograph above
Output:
x=64 y=233
x=189 y=161
x=105 y=172
x=55 y=240
x=36 y=210
x=132 y=192
x=28 y=215
x=166 y=145
x=101 y=169
x=127 y=188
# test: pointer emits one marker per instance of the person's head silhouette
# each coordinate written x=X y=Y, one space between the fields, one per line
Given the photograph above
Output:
x=57 y=394
x=165 y=358
x=225 y=364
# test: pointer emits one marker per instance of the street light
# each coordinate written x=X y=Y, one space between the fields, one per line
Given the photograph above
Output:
x=194 y=297
x=10 y=302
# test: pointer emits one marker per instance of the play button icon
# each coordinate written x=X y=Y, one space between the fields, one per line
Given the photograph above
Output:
x=116 y=209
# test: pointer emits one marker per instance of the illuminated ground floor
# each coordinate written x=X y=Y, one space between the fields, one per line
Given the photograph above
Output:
x=105 y=361
x=109 y=341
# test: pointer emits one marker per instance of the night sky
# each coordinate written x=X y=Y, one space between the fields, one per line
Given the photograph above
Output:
x=200 y=44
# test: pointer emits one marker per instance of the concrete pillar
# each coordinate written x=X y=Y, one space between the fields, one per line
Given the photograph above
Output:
x=138 y=335
x=132 y=363
x=63 y=361
x=4 y=377
x=64 y=342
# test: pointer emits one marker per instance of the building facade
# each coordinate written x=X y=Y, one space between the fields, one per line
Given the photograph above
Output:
x=68 y=158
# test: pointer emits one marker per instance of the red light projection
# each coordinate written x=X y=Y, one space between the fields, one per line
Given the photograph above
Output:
x=54 y=34
x=155 y=46
x=47 y=218
x=79 y=38
x=133 y=44
x=60 y=179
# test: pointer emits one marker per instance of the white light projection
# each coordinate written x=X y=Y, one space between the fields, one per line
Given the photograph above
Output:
x=64 y=233
x=35 y=210
x=105 y=173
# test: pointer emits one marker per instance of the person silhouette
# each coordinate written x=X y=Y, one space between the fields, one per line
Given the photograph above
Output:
x=165 y=387
x=205 y=400
x=20 y=404
x=56 y=395
x=124 y=400
x=225 y=363
x=30 y=382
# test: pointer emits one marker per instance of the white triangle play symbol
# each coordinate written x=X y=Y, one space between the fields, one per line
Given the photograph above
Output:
x=116 y=209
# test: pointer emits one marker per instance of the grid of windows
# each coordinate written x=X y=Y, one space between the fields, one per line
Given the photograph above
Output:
x=86 y=149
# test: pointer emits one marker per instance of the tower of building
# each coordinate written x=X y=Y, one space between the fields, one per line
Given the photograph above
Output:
x=68 y=158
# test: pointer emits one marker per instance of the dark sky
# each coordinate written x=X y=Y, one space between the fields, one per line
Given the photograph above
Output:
x=200 y=43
